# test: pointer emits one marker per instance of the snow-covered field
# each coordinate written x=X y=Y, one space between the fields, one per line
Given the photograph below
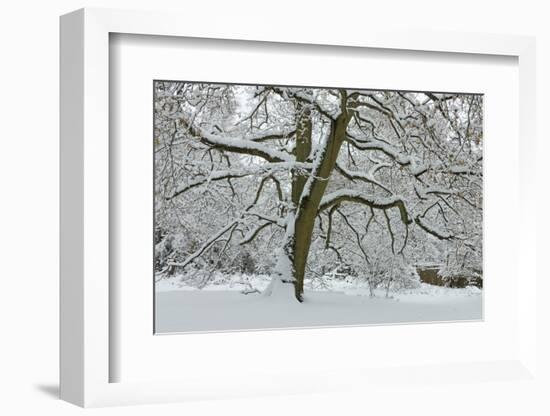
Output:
x=223 y=307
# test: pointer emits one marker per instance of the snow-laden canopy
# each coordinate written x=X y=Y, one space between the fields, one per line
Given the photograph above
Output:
x=296 y=182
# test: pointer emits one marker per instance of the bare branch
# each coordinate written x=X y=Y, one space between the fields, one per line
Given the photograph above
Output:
x=253 y=234
x=373 y=202
x=206 y=245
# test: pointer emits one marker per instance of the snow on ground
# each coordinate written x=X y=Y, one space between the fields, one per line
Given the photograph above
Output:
x=223 y=307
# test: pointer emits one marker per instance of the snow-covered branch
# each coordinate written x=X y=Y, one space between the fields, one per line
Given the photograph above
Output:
x=259 y=170
x=432 y=229
x=237 y=145
x=206 y=245
x=360 y=176
x=383 y=203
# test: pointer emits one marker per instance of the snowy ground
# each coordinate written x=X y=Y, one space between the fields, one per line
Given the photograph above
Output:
x=223 y=307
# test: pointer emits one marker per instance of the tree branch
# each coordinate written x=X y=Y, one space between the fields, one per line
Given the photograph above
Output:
x=206 y=245
x=237 y=145
x=373 y=202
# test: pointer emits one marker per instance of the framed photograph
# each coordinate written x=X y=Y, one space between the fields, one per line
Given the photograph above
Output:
x=282 y=212
x=268 y=215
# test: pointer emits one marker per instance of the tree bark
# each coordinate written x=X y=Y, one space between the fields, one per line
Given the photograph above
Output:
x=302 y=149
x=310 y=198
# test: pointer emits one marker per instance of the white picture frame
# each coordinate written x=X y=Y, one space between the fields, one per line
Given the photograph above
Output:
x=85 y=302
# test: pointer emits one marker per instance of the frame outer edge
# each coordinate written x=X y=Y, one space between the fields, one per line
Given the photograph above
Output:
x=527 y=293
x=95 y=194
x=71 y=203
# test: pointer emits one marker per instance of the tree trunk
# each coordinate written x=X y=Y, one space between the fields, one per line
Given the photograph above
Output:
x=301 y=150
x=310 y=198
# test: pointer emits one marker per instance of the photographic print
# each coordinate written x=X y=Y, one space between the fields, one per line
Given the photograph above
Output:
x=294 y=207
